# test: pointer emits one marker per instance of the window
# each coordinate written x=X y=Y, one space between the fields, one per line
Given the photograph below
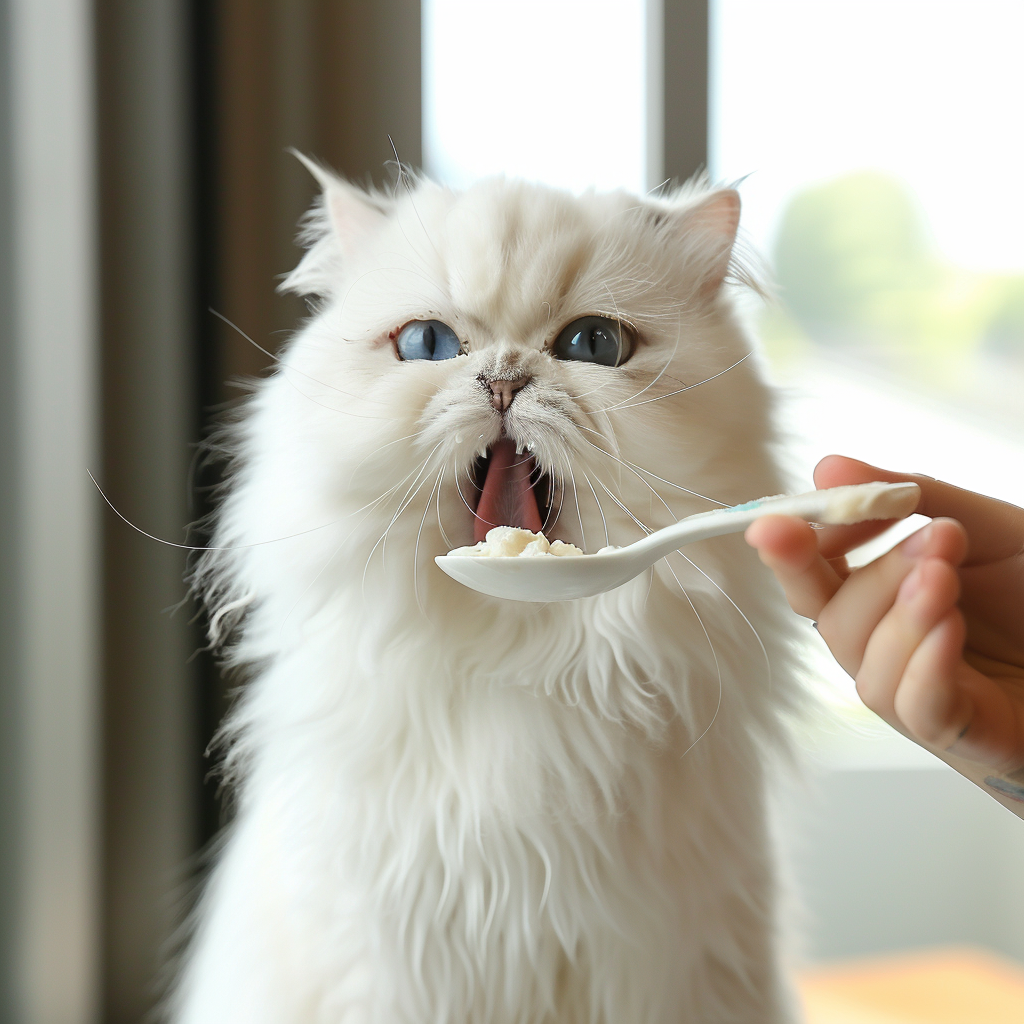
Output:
x=882 y=177
x=555 y=93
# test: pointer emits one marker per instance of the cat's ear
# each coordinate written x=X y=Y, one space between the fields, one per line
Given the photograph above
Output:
x=351 y=213
x=710 y=227
x=347 y=216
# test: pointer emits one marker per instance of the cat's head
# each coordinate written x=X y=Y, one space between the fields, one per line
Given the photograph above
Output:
x=573 y=359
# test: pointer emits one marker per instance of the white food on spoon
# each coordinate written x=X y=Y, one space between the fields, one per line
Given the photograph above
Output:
x=514 y=542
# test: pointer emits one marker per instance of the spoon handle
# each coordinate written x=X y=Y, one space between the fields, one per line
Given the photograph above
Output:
x=853 y=503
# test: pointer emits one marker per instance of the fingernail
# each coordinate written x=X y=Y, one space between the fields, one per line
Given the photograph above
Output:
x=916 y=543
x=910 y=586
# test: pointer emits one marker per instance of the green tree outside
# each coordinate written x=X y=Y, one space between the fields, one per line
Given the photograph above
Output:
x=858 y=272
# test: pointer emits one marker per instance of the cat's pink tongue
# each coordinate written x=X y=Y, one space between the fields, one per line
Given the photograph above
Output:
x=507 y=498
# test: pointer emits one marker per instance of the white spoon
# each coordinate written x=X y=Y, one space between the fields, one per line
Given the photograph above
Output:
x=567 y=577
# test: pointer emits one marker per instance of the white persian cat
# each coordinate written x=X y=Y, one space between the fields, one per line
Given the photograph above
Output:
x=459 y=810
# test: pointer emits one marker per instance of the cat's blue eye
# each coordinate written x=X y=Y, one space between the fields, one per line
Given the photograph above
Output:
x=427 y=339
x=593 y=339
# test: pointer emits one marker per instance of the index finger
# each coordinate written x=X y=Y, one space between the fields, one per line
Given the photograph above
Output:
x=995 y=529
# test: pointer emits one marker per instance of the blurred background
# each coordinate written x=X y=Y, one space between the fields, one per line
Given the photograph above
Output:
x=144 y=182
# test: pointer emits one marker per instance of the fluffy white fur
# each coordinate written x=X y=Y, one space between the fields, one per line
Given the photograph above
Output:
x=458 y=810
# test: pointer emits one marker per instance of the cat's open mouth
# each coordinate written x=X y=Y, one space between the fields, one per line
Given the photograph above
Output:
x=511 y=491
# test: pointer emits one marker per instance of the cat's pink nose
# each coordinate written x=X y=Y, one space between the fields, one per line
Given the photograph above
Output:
x=503 y=391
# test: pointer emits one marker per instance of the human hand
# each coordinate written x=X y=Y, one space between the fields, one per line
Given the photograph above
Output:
x=933 y=631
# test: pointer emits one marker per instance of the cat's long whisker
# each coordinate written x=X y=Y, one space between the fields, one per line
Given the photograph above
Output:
x=426 y=233
x=419 y=533
x=609 y=436
x=678 y=487
x=220 y=316
x=286 y=370
x=386 y=494
x=608 y=491
x=563 y=465
x=440 y=525
x=556 y=504
x=576 y=495
x=383 y=537
x=644 y=528
x=627 y=466
x=554 y=500
x=689 y=387
x=210 y=547
x=458 y=487
x=713 y=582
x=418 y=473
x=409 y=193
x=600 y=509
x=673 y=516
x=742 y=614
x=714 y=655
x=668 y=362
x=634 y=468
x=672 y=512
x=592 y=391
x=400 y=167
x=403 y=505
x=472 y=510
x=359 y=465
x=682 y=589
